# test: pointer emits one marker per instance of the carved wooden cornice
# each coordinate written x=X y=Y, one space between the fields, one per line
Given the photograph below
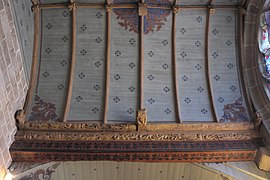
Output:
x=51 y=126
x=138 y=156
x=138 y=136
x=57 y=126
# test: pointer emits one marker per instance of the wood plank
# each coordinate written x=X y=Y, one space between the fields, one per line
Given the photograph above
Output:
x=192 y=172
x=93 y=170
x=60 y=171
x=164 y=171
x=186 y=174
x=140 y=171
x=79 y=170
x=170 y=168
x=107 y=170
x=120 y=171
x=146 y=170
x=85 y=169
x=100 y=170
x=158 y=171
x=113 y=171
x=73 y=62
x=70 y=169
x=152 y=170
x=134 y=172
x=128 y=169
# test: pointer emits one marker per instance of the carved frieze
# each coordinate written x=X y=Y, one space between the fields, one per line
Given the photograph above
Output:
x=74 y=126
x=141 y=136
x=138 y=156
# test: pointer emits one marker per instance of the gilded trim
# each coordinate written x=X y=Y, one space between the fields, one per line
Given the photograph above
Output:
x=54 y=126
x=138 y=136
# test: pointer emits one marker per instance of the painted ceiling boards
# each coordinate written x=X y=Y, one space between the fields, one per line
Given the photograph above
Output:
x=202 y=85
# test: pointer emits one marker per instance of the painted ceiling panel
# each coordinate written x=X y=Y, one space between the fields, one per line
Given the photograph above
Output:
x=54 y=61
x=193 y=92
x=88 y=84
x=159 y=89
x=124 y=65
x=223 y=57
x=25 y=29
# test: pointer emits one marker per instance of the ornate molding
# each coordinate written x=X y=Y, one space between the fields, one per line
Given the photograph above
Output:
x=138 y=156
x=138 y=136
x=54 y=126
x=76 y=126
x=133 y=146
x=201 y=127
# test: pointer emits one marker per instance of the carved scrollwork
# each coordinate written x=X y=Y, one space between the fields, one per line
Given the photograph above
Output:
x=77 y=126
x=141 y=136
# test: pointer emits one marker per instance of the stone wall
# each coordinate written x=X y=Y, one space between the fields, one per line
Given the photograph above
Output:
x=13 y=85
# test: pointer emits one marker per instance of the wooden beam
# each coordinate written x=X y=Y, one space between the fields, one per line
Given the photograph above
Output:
x=174 y=66
x=33 y=76
x=108 y=64
x=142 y=60
x=72 y=7
x=240 y=42
x=207 y=65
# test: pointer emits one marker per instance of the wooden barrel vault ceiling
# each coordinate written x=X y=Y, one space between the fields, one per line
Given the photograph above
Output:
x=102 y=63
x=155 y=80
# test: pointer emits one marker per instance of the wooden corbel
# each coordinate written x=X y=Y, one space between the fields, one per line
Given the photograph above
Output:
x=20 y=117
x=141 y=119
x=258 y=121
x=142 y=9
x=35 y=8
x=72 y=6
x=212 y=10
x=108 y=8
x=176 y=9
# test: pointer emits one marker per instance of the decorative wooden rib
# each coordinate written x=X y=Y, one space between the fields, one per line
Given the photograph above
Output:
x=72 y=8
x=108 y=64
x=33 y=77
x=126 y=6
x=174 y=65
x=142 y=60
x=240 y=42
x=207 y=66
